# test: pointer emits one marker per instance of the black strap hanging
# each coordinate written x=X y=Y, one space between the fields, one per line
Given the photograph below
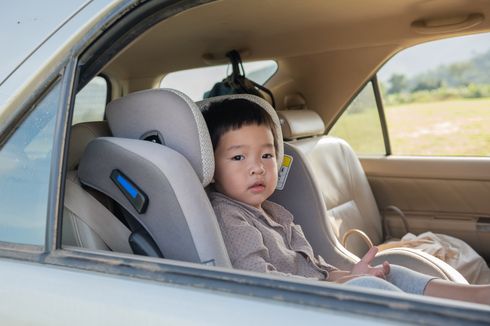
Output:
x=237 y=83
x=236 y=64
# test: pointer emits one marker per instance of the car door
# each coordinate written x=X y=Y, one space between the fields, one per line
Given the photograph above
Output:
x=426 y=149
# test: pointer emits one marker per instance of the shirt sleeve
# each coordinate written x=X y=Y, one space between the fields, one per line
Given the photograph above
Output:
x=245 y=243
x=318 y=259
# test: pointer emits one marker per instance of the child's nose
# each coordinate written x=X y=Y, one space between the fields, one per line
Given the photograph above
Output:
x=257 y=168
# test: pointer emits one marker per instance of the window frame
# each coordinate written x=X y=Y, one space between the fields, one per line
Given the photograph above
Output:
x=373 y=80
x=107 y=99
x=24 y=251
x=108 y=82
x=381 y=113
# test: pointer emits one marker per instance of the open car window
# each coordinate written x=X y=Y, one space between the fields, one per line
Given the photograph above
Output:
x=90 y=102
x=196 y=82
x=434 y=100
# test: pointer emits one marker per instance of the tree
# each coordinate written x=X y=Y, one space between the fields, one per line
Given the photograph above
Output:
x=398 y=83
x=426 y=82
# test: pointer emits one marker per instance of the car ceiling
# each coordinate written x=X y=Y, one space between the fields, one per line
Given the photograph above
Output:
x=265 y=29
x=291 y=32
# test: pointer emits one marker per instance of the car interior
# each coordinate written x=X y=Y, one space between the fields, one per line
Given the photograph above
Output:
x=136 y=179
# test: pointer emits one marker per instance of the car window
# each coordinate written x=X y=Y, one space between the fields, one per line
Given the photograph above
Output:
x=25 y=162
x=203 y=79
x=90 y=102
x=360 y=124
x=437 y=98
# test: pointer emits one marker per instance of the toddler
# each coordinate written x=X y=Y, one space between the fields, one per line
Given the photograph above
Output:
x=261 y=235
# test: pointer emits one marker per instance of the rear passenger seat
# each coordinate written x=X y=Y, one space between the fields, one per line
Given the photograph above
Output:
x=86 y=222
x=328 y=193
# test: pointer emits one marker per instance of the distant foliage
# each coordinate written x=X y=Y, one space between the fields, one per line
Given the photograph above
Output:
x=439 y=94
x=465 y=79
x=397 y=83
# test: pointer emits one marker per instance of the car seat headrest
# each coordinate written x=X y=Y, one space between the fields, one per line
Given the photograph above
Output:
x=262 y=103
x=82 y=134
x=168 y=117
x=300 y=123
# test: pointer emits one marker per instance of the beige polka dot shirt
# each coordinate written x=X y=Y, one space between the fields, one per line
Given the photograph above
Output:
x=266 y=240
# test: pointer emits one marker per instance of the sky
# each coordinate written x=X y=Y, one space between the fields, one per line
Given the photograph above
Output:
x=427 y=56
x=23 y=30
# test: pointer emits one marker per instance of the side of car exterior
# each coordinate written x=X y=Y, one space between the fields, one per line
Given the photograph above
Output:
x=49 y=285
x=45 y=294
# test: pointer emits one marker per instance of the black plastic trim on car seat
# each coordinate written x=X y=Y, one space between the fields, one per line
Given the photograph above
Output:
x=142 y=244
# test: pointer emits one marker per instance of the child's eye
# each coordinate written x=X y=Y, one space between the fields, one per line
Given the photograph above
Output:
x=238 y=158
x=268 y=155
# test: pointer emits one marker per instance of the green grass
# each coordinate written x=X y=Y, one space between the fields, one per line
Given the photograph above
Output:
x=361 y=130
x=457 y=127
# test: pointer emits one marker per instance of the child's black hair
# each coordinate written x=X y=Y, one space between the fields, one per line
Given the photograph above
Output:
x=232 y=114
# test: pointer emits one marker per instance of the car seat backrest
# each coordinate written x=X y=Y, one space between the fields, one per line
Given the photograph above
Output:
x=343 y=183
x=302 y=194
x=345 y=190
x=86 y=222
x=81 y=135
x=159 y=182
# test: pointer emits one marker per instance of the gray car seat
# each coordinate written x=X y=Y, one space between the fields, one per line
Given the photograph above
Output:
x=156 y=167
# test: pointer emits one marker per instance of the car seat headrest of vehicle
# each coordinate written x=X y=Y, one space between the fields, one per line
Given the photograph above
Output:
x=82 y=134
x=262 y=103
x=168 y=117
x=300 y=123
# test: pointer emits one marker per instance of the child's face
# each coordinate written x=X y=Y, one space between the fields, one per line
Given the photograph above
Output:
x=246 y=168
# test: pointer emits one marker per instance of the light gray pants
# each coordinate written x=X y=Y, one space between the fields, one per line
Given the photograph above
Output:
x=400 y=279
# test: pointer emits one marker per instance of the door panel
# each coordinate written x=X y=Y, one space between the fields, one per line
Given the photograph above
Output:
x=442 y=195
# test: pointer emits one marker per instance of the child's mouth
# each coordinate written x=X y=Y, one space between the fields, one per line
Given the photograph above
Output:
x=257 y=187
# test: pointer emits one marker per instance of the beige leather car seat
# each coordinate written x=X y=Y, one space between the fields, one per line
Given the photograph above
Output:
x=328 y=193
x=86 y=222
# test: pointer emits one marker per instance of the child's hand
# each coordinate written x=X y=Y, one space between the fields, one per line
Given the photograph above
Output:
x=364 y=268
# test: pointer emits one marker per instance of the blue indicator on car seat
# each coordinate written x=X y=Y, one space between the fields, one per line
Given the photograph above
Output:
x=137 y=198
x=126 y=185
